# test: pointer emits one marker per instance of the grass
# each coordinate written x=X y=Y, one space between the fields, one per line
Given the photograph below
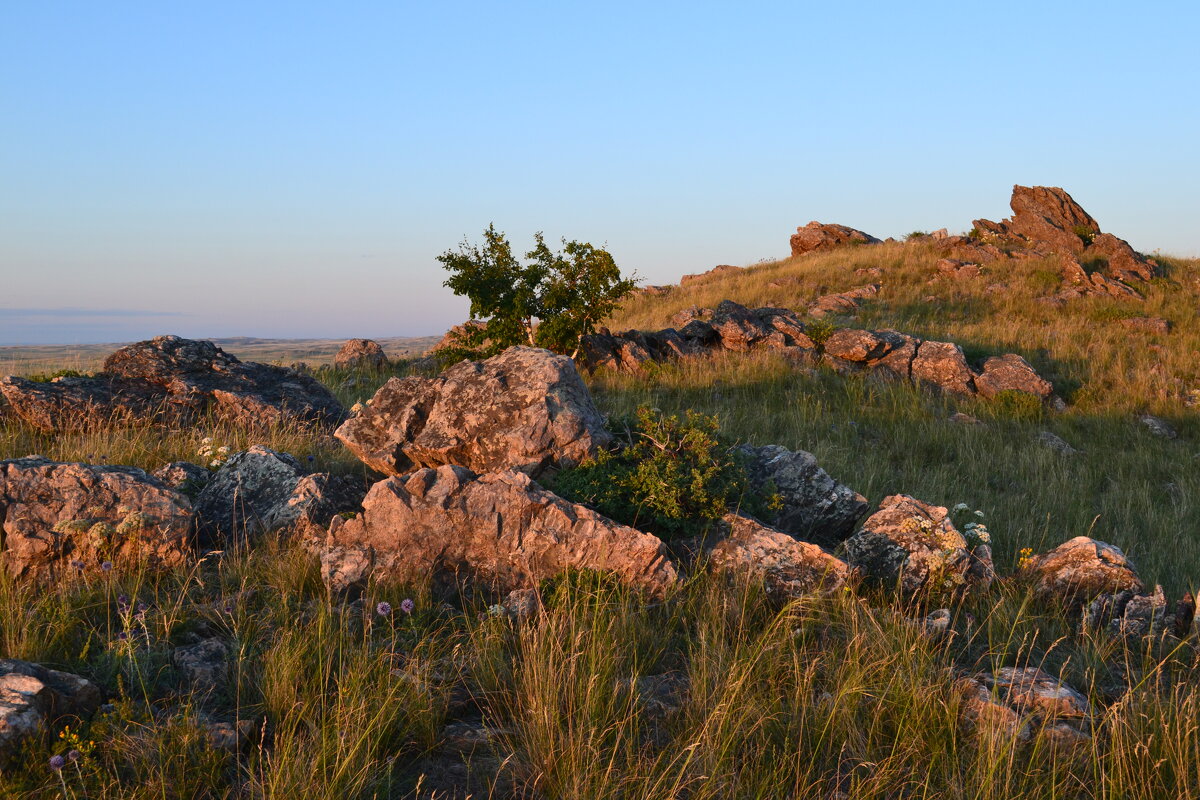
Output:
x=838 y=696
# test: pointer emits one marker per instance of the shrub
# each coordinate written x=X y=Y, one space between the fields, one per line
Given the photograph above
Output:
x=665 y=475
x=820 y=331
x=46 y=377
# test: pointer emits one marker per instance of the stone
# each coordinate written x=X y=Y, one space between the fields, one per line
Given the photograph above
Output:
x=842 y=302
x=943 y=365
x=1131 y=614
x=1157 y=426
x=815 y=507
x=1080 y=569
x=1149 y=324
x=788 y=568
x=457 y=338
x=911 y=544
x=500 y=531
x=203 y=665
x=958 y=270
x=1056 y=443
x=60 y=519
x=34 y=697
x=231 y=737
x=185 y=476
x=172 y=379
x=959 y=418
x=261 y=490
x=525 y=409
x=1021 y=701
x=817 y=236
x=738 y=328
x=1011 y=373
x=361 y=354
x=701 y=277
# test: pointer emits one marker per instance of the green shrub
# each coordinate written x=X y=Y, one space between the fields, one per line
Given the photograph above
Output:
x=665 y=475
x=820 y=331
x=1086 y=234
x=46 y=377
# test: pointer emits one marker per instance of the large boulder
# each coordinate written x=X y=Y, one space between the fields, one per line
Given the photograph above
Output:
x=1081 y=569
x=1017 y=702
x=177 y=379
x=360 y=354
x=943 y=365
x=815 y=507
x=63 y=518
x=826 y=236
x=524 y=409
x=915 y=545
x=261 y=490
x=499 y=531
x=1011 y=373
x=33 y=697
x=788 y=568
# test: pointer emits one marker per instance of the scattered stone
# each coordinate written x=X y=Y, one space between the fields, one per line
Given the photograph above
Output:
x=231 y=737
x=261 y=490
x=60 y=519
x=662 y=695
x=185 y=476
x=1081 y=569
x=1158 y=427
x=957 y=270
x=913 y=544
x=1023 y=701
x=1130 y=614
x=787 y=567
x=33 y=697
x=959 y=418
x=523 y=603
x=1056 y=443
x=361 y=354
x=1011 y=373
x=717 y=271
x=172 y=379
x=500 y=531
x=843 y=302
x=524 y=409
x=815 y=507
x=1150 y=324
x=817 y=236
x=203 y=665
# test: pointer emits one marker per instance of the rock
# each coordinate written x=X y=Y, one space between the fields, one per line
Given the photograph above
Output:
x=843 y=302
x=660 y=696
x=260 y=490
x=817 y=236
x=788 y=568
x=912 y=544
x=1130 y=614
x=958 y=270
x=959 y=418
x=1081 y=569
x=943 y=365
x=1149 y=324
x=172 y=379
x=1056 y=443
x=522 y=603
x=700 y=277
x=1020 y=701
x=231 y=737
x=1158 y=427
x=59 y=519
x=500 y=531
x=33 y=697
x=203 y=665
x=185 y=476
x=1011 y=373
x=524 y=409
x=816 y=508
x=458 y=338
x=737 y=327
x=361 y=354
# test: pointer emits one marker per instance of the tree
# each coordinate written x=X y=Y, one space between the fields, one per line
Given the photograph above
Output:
x=553 y=300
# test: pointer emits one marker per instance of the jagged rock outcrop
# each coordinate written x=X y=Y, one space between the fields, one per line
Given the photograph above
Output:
x=185 y=476
x=1081 y=569
x=734 y=327
x=175 y=379
x=500 y=531
x=788 y=567
x=815 y=507
x=915 y=546
x=361 y=354
x=261 y=490
x=826 y=236
x=1023 y=701
x=33 y=697
x=66 y=518
x=524 y=409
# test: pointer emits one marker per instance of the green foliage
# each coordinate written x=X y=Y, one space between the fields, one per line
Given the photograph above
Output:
x=46 y=377
x=1085 y=233
x=820 y=331
x=1113 y=312
x=669 y=476
x=915 y=235
x=553 y=300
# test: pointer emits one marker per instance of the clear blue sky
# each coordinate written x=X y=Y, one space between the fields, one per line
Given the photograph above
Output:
x=292 y=169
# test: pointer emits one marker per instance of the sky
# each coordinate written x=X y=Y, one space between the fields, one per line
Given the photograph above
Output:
x=293 y=169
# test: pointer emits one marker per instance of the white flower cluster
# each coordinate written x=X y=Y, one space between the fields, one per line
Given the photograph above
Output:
x=215 y=455
x=978 y=532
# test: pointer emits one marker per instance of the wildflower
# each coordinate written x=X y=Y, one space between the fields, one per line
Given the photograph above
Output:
x=216 y=462
x=407 y=605
x=961 y=507
x=496 y=610
x=206 y=440
x=74 y=755
x=57 y=762
x=979 y=514
x=106 y=566
x=383 y=608
x=122 y=636
x=122 y=602
x=77 y=564
x=141 y=609
x=312 y=459
x=223 y=449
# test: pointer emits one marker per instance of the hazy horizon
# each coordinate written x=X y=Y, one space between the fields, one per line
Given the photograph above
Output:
x=292 y=171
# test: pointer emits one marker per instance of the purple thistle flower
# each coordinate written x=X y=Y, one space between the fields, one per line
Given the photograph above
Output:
x=57 y=762
x=77 y=564
x=122 y=601
x=106 y=566
x=141 y=609
x=383 y=608
x=407 y=605
x=123 y=635
x=312 y=459
x=74 y=755
x=228 y=609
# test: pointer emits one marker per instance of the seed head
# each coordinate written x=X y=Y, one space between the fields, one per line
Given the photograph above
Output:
x=57 y=762
x=407 y=605
x=383 y=608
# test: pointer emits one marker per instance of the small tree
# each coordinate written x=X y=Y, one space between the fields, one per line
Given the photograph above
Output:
x=552 y=301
